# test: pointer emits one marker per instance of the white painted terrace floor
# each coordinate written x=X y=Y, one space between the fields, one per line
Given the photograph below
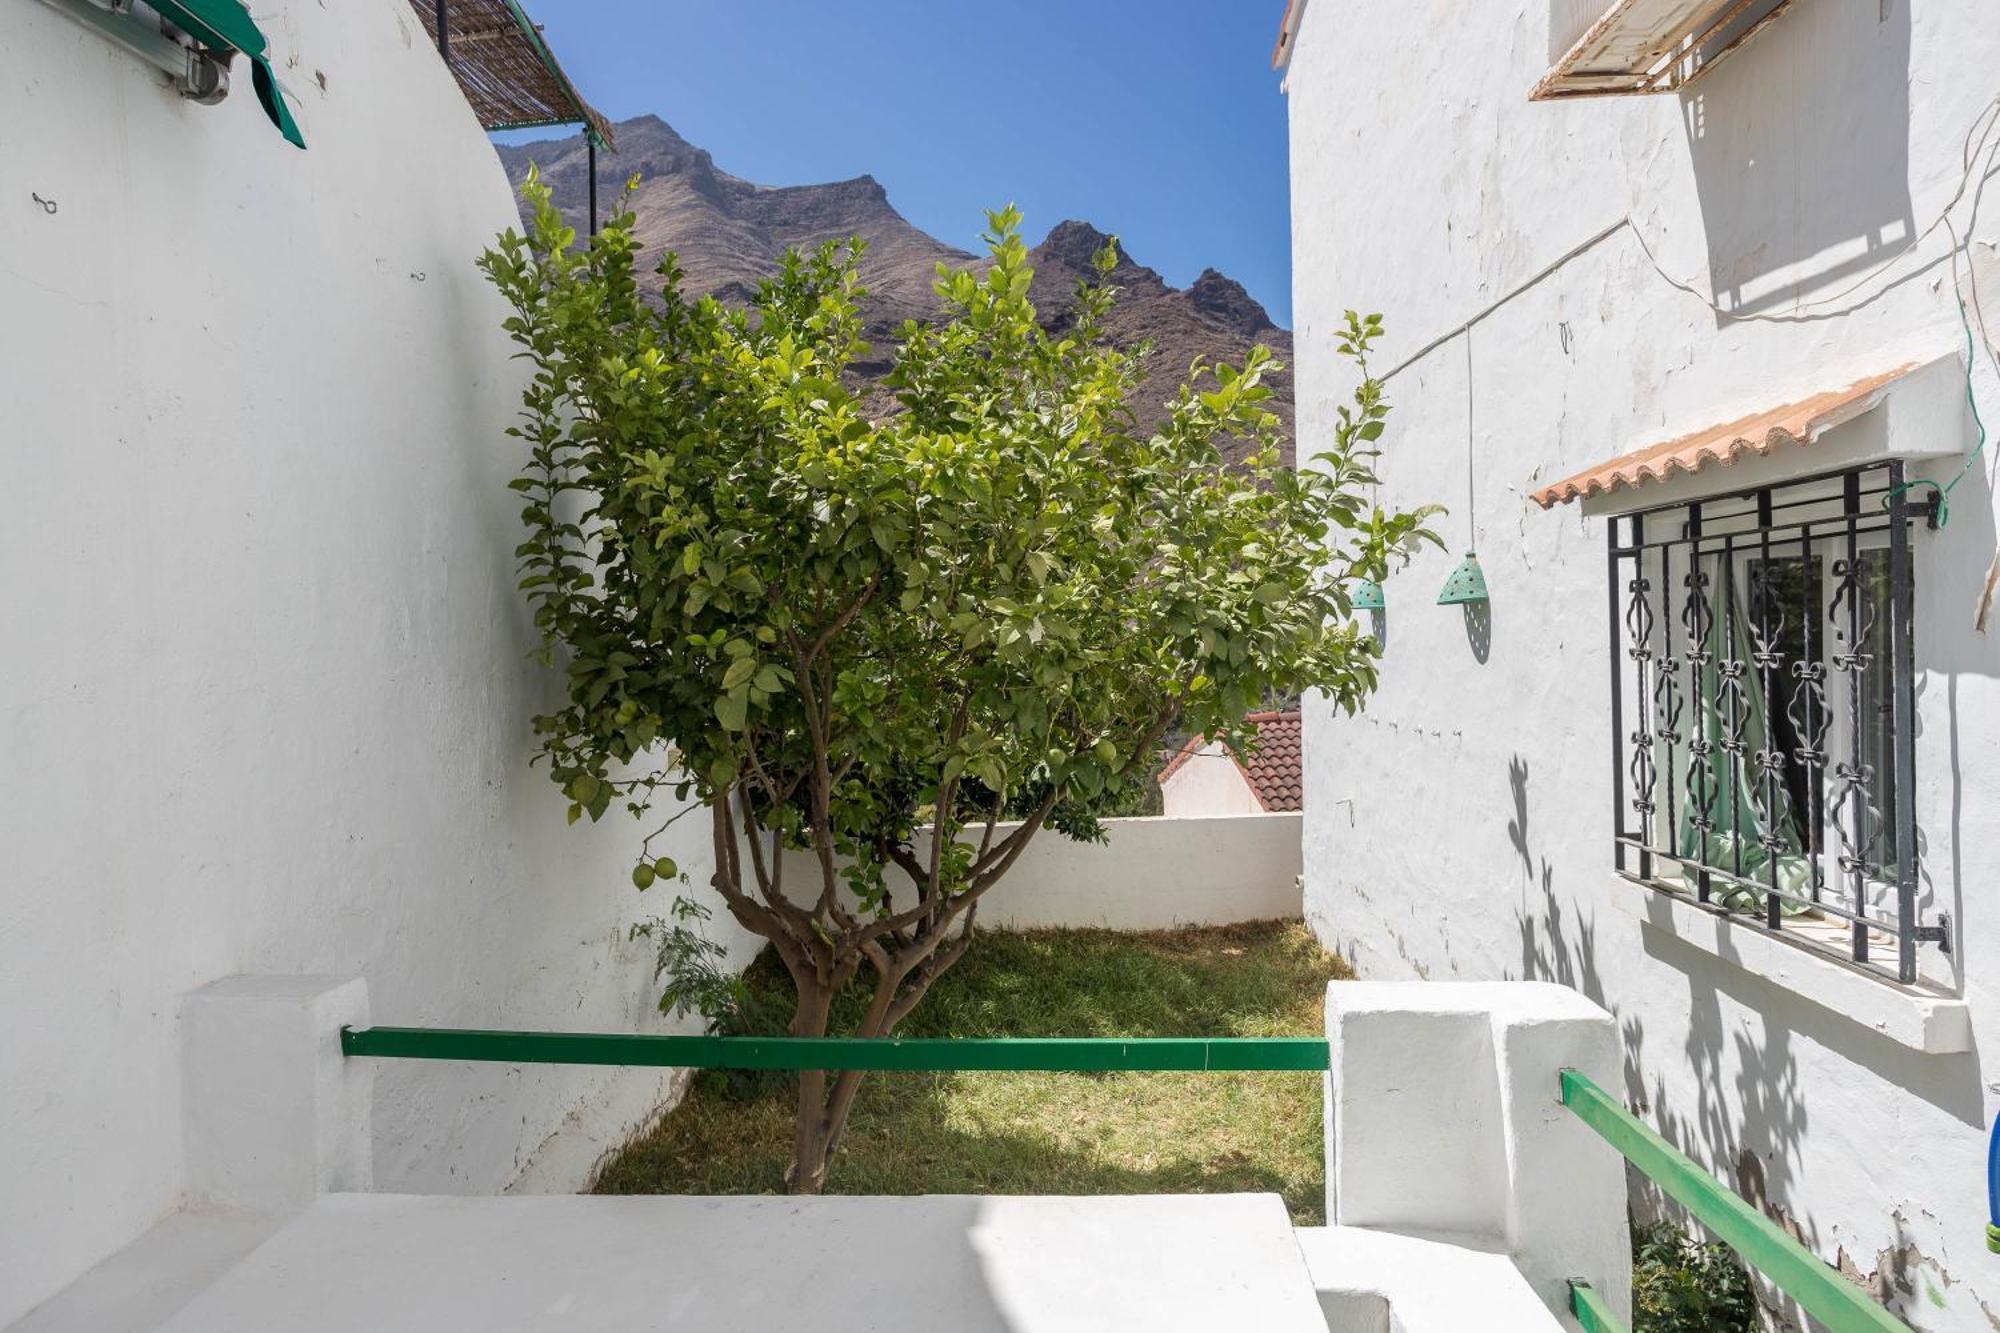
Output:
x=390 y=1263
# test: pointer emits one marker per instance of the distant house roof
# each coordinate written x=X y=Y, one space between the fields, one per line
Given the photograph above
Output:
x=1275 y=770
x=505 y=69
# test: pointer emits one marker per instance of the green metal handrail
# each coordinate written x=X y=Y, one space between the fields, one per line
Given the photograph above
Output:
x=1824 y=1294
x=1592 y=1314
x=1218 y=1054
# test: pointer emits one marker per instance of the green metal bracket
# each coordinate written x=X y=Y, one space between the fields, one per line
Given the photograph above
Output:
x=1830 y=1298
x=1466 y=584
x=1096 y=1054
x=1592 y=1314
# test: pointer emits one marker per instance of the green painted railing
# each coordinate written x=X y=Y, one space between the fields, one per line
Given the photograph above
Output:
x=1232 y=1054
x=1836 y=1303
x=1592 y=1314
x=1830 y=1298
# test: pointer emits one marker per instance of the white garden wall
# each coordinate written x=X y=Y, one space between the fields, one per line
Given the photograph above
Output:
x=1150 y=873
x=1461 y=827
x=263 y=692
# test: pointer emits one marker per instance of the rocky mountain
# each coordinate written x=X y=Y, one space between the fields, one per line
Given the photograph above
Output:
x=729 y=233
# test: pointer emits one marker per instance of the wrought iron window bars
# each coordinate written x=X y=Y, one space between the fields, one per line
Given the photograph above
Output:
x=1763 y=709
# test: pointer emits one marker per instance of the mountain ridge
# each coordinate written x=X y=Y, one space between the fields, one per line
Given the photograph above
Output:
x=729 y=233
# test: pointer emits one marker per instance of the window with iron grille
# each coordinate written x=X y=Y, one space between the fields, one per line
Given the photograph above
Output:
x=1763 y=697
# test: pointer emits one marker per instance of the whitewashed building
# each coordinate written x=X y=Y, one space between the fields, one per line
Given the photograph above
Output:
x=266 y=685
x=1689 y=367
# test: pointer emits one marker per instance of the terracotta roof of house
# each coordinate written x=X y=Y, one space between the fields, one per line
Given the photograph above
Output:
x=1276 y=771
x=1798 y=423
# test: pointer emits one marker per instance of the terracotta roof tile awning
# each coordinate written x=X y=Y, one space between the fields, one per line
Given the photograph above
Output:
x=1798 y=423
x=505 y=69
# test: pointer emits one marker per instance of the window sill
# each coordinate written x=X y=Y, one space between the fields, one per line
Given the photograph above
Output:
x=1914 y=1016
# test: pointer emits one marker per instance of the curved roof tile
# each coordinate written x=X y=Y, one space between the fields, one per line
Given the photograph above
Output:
x=1797 y=423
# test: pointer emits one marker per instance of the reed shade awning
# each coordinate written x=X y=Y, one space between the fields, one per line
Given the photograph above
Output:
x=506 y=70
x=1796 y=423
x=1636 y=47
x=225 y=25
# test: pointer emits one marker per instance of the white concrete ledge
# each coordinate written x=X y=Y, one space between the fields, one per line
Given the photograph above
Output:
x=415 y=1264
x=1921 y=1019
x=146 y=1283
x=1443 y=1118
x=272 y=1114
x=1384 y=1282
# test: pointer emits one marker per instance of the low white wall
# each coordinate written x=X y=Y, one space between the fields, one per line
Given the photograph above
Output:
x=264 y=698
x=1152 y=873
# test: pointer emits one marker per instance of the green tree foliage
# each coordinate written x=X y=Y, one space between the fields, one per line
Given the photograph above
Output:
x=978 y=612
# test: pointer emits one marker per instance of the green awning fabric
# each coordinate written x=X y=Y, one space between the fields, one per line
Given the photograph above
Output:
x=225 y=25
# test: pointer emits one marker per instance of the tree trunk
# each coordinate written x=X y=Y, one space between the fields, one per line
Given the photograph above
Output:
x=822 y=958
x=823 y=1101
x=811 y=1143
x=821 y=1117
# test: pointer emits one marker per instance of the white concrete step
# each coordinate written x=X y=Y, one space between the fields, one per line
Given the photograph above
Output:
x=140 y=1286
x=1372 y=1281
x=420 y=1264
x=387 y=1263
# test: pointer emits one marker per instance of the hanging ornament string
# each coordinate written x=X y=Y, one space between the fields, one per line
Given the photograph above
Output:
x=1471 y=512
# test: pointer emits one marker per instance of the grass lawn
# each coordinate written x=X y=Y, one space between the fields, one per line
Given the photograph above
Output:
x=1037 y=1133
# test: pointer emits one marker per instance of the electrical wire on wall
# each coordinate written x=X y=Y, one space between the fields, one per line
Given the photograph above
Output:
x=1980 y=148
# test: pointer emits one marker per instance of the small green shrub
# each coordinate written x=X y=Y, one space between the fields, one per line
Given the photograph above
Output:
x=1681 y=1285
x=699 y=980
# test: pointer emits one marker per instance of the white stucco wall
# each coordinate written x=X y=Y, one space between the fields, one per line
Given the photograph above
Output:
x=1208 y=782
x=1461 y=827
x=264 y=699
x=1150 y=873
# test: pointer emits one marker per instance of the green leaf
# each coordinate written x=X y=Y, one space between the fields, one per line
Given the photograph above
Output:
x=732 y=711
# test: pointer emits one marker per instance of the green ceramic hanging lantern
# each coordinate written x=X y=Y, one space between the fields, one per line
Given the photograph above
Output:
x=1467 y=583
x=1366 y=594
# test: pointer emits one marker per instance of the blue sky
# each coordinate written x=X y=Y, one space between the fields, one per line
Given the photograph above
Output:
x=1159 y=120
